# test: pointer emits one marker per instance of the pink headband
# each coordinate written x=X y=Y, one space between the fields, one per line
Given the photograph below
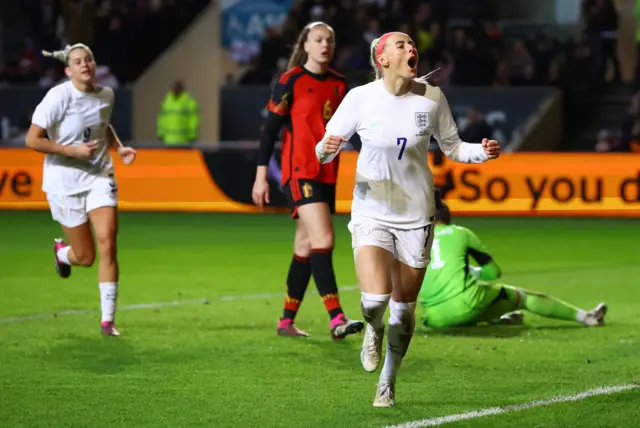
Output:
x=380 y=47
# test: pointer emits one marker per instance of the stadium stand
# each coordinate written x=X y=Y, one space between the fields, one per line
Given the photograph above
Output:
x=474 y=47
x=478 y=50
x=111 y=27
x=471 y=42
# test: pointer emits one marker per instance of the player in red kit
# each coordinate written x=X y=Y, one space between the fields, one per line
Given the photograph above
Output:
x=302 y=102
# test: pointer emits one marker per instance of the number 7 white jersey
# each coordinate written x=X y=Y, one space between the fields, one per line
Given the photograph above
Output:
x=70 y=118
x=393 y=183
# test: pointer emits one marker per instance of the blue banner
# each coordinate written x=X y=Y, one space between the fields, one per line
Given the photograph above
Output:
x=244 y=21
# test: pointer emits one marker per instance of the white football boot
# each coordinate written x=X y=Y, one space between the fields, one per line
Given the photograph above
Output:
x=595 y=318
x=371 y=351
x=386 y=394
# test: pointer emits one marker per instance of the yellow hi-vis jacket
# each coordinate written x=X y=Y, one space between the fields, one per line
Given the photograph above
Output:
x=179 y=119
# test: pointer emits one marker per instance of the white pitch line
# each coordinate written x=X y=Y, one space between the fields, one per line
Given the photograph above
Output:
x=155 y=305
x=442 y=420
x=13 y=320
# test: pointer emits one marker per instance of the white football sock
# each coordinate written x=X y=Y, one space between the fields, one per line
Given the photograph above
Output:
x=63 y=254
x=373 y=307
x=400 y=331
x=108 y=298
x=581 y=316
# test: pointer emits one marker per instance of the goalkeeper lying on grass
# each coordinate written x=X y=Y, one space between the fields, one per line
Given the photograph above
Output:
x=454 y=293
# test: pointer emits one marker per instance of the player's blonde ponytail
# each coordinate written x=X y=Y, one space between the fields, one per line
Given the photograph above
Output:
x=59 y=55
x=373 y=60
x=63 y=55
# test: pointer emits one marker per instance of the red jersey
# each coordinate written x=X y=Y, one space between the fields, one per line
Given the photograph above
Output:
x=308 y=101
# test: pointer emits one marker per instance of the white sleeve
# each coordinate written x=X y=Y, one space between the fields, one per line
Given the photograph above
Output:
x=112 y=101
x=112 y=96
x=446 y=132
x=343 y=123
x=49 y=112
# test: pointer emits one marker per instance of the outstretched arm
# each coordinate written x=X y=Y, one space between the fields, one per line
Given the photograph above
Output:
x=446 y=133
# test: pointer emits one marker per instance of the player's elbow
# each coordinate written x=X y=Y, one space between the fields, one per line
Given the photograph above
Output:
x=33 y=135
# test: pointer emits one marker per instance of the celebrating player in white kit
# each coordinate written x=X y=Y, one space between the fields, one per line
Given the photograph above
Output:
x=393 y=206
x=71 y=125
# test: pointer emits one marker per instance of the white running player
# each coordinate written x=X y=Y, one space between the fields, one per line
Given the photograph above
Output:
x=393 y=207
x=71 y=125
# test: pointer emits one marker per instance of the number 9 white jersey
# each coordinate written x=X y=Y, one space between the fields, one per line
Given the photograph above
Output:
x=393 y=184
x=72 y=117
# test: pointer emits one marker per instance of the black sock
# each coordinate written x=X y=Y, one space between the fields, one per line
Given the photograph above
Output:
x=297 y=282
x=321 y=261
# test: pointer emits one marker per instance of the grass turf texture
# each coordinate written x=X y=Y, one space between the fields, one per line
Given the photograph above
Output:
x=221 y=364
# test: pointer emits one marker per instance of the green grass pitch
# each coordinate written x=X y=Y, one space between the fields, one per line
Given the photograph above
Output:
x=220 y=363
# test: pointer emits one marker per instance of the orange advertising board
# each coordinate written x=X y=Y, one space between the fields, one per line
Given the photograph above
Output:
x=572 y=184
x=577 y=184
x=159 y=180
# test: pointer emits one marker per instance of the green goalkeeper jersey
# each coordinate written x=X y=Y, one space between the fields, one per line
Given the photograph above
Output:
x=450 y=272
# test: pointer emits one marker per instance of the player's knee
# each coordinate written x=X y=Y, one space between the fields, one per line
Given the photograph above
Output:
x=324 y=240
x=107 y=249
x=84 y=257
x=302 y=248
x=301 y=244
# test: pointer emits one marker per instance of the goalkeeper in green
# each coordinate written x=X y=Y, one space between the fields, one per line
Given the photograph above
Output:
x=455 y=293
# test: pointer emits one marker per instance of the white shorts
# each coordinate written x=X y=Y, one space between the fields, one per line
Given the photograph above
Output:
x=409 y=246
x=72 y=210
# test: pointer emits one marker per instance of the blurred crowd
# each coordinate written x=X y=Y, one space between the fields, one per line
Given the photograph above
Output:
x=120 y=32
x=475 y=53
x=469 y=45
x=626 y=138
x=472 y=48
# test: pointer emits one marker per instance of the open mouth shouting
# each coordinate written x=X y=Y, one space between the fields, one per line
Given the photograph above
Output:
x=413 y=62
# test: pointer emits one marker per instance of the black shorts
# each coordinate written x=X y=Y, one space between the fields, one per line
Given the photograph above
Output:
x=303 y=192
